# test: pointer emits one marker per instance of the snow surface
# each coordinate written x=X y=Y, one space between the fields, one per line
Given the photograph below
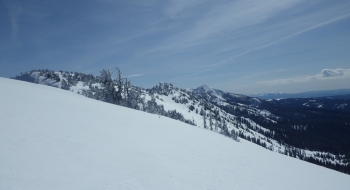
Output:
x=55 y=139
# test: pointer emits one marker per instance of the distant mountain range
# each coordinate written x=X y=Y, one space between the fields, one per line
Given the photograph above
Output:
x=310 y=94
x=316 y=130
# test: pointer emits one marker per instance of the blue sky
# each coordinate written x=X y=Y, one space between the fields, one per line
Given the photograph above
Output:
x=241 y=46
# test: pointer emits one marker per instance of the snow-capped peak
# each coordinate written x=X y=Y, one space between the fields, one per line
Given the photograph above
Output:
x=204 y=88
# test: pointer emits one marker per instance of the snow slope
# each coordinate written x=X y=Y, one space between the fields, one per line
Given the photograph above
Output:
x=242 y=115
x=55 y=139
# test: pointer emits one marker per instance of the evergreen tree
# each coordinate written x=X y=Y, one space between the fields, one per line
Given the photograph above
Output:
x=205 y=121
x=210 y=121
x=225 y=129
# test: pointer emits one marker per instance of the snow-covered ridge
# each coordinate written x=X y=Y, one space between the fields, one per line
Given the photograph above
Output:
x=67 y=141
x=221 y=112
x=204 y=89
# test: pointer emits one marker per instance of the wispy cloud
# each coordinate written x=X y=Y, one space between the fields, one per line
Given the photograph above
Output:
x=221 y=20
x=229 y=30
x=295 y=34
x=227 y=18
x=176 y=7
x=134 y=75
x=14 y=11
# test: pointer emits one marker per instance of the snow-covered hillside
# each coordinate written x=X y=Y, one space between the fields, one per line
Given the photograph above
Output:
x=55 y=139
x=286 y=130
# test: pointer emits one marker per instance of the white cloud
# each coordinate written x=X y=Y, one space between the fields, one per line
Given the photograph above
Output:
x=326 y=74
x=334 y=72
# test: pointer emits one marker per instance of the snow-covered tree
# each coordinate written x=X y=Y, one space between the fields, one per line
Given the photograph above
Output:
x=225 y=129
x=210 y=121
